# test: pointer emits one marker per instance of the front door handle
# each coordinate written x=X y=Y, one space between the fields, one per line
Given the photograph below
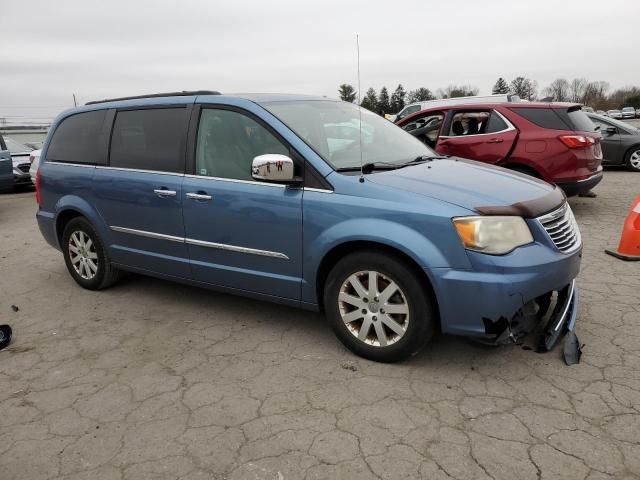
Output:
x=198 y=196
x=163 y=192
x=495 y=140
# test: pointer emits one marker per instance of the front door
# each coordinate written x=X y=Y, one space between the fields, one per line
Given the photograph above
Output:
x=482 y=135
x=139 y=194
x=241 y=233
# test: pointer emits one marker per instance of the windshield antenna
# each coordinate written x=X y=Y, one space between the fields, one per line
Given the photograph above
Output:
x=359 y=109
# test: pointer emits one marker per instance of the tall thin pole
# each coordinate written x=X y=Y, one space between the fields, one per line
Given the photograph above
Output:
x=75 y=103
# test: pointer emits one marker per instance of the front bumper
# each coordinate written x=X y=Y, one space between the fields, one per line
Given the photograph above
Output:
x=498 y=300
x=21 y=178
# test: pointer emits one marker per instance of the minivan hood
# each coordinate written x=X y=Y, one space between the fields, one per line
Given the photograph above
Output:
x=476 y=186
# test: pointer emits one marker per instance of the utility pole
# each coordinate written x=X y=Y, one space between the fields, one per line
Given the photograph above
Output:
x=75 y=103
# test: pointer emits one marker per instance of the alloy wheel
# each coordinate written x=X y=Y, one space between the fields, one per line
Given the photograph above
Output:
x=634 y=159
x=83 y=255
x=374 y=308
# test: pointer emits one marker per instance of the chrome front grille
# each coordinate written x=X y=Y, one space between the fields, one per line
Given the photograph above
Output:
x=562 y=228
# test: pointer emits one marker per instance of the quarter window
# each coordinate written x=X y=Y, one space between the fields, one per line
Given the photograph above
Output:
x=495 y=124
x=151 y=139
x=77 y=139
x=543 y=117
x=227 y=143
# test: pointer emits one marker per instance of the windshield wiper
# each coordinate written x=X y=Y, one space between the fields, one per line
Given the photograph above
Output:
x=370 y=167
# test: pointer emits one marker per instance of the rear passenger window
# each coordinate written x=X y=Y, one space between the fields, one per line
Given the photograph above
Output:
x=77 y=139
x=469 y=123
x=543 y=117
x=227 y=143
x=151 y=139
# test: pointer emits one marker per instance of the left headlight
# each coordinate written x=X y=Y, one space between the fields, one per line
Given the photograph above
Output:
x=493 y=235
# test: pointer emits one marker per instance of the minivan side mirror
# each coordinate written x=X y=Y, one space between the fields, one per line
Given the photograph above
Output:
x=273 y=167
x=611 y=130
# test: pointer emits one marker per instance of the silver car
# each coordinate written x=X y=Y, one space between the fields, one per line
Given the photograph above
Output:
x=20 y=159
x=628 y=112
x=617 y=114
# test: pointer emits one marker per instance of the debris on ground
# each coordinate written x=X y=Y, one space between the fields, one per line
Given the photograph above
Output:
x=5 y=335
x=349 y=366
x=572 y=349
x=15 y=308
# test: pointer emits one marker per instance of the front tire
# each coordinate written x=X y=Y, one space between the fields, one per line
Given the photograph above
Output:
x=85 y=256
x=378 y=306
x=633 y=159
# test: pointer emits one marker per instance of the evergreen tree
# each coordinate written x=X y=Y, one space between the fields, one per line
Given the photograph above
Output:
x=501 y=86
x=347 y=93
x=419 y=95
x=370 y=100
x=397 y=99
x=525 y=88
x=384 y=104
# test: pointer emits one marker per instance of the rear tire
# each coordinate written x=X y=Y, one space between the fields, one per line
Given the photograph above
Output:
x=633 y=159
x=378 y=306
x=86 y=257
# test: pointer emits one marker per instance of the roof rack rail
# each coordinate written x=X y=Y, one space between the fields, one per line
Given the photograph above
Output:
x=184 y=93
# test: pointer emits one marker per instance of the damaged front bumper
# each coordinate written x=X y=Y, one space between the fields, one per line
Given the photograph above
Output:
x=531 y=317
x=501 y=299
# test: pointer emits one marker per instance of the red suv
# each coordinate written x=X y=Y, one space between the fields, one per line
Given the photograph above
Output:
x=556 y=142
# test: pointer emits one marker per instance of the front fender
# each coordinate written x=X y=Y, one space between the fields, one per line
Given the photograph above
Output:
x=409 y=241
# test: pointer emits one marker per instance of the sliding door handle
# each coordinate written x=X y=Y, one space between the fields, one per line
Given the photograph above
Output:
x=198 y=196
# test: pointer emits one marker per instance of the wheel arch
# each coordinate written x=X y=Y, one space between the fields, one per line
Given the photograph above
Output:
x=628 y=151
x=63 y=218
x=337 y=252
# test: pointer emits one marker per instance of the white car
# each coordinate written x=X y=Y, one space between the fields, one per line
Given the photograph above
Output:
x=34 y=158
x=617 y=114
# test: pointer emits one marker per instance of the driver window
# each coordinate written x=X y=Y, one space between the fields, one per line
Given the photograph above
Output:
x=227 y=143
x=426 y=128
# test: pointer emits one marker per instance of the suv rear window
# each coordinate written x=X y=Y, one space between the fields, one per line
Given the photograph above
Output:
x=579 y=120
x=150 y=139
x=572 y=118
x=77 y=139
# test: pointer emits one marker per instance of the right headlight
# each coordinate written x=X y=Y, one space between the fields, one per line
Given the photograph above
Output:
x=493 y=235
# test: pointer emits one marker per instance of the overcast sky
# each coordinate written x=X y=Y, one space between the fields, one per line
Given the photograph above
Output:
x=96 y=49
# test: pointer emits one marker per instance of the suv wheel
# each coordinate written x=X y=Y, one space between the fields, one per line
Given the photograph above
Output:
x=85 y=256
x=378 y=307
x=633 y=159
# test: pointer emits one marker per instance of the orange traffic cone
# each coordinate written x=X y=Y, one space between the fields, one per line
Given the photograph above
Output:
x=629 y=248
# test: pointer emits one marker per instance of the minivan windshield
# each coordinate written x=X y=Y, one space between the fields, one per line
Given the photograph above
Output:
x=332 y=130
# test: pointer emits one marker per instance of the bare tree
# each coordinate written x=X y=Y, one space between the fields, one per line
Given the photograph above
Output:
x=453 y=91
x=558 y=90
x=576 y=89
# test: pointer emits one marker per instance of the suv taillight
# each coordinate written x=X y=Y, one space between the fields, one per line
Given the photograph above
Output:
x=577 y=141
x=38 y=186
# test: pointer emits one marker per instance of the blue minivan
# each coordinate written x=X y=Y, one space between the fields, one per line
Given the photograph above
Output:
x=313 y=203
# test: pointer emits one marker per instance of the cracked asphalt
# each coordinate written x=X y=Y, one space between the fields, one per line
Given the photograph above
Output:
x=151 y=379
